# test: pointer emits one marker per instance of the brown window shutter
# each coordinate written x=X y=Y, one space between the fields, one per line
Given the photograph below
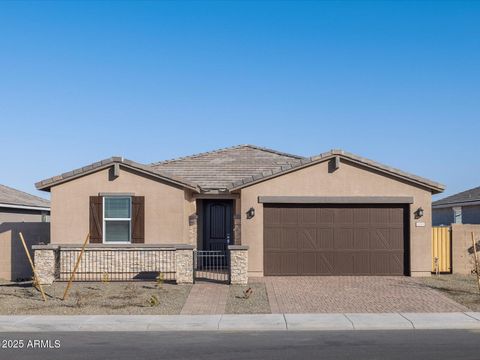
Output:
x=138 y=219
x=96 y=219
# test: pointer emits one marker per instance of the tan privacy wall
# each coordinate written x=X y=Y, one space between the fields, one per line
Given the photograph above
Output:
x=166 y=207
x=462 y=247
x=14 y=264
x=348 y=180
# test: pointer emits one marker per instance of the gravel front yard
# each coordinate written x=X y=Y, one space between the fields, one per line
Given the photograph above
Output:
x=94 y=298
x=461 y=288
x=257 y=303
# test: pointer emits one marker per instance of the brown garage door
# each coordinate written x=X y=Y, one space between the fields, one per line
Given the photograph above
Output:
x=335 y=239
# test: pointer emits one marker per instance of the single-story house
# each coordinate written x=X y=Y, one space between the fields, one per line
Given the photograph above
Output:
x=460 y=208
x=26 y=213
x=331 y=214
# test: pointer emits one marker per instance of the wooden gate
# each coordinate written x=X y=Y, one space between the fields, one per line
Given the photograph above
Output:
x=441 y=249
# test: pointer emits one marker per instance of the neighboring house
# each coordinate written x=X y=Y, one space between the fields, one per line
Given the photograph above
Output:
x=331 y=214
x=26 y=213
x=461 y=208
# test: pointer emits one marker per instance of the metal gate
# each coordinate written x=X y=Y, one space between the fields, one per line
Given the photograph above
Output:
x=441 y=249
x=212 y=265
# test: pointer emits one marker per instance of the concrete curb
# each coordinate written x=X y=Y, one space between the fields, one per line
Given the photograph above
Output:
x=260 y=322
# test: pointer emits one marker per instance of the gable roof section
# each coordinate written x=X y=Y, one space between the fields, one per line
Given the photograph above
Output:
x=10 y=197
x=106 y=163
x=305 y=162
x=217 y=170
x=461 y=198
x=234 y=168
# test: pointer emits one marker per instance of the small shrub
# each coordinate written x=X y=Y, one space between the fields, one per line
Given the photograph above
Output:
x=105 y=278
x=160 y=279
x=153 y=301
x=80 y=300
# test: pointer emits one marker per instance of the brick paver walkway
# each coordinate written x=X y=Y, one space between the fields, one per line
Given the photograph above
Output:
x=206 y=298
x=341 y=294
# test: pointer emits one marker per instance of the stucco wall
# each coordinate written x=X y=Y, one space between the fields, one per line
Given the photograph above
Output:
x=462 y=247
x=348 y=180
x=166 y=207
x=13 y=260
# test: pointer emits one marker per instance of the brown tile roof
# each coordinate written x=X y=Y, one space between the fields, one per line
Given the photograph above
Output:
x=464 y=197
x=103 y=164
x=220 y=168
x=305 y=162
x=16 y=197
x=235 y=167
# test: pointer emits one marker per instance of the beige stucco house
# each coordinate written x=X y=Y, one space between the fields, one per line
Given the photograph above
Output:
x=331 y=214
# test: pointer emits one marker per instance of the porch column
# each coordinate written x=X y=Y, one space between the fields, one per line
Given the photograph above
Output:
x=47 y=263
x=237 y=229
x=184 y=264
x=192 y=229
x=238 y=264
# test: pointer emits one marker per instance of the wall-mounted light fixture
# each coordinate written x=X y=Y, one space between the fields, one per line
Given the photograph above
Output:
x=250 y=213
x=418 y=213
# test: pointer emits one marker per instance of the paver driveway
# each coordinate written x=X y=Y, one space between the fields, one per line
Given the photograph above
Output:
x=343 y=294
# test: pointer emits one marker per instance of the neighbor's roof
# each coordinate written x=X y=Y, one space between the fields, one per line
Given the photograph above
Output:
x=10 y=197
x=221 y=168
x=235 y=167
x=464 y=197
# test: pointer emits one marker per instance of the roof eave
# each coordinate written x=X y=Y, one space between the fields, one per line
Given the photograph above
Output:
x=434 y=187
x=24 y=207
x=46 y=185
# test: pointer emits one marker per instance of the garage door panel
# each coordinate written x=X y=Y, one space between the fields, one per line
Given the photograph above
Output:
x=344 y=216
x=325 y=216
x=307 y=239
x=334 y=240
x=397 y=216
x=281 y=263
x=273 y=216
x=361 y=216
x=308 y=265
x=380 y=238
x=344 y=238
x=396 y=237
x=343 y=263
x=289 y=216
x=361 y=263
x=387 y=263
x=307 y=217
x=362 y=239
x=325 y=238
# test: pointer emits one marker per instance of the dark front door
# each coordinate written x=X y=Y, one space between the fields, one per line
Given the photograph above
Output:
x=218 y=224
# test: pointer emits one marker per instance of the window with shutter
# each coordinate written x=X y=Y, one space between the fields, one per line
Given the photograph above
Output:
x=138 y=219
x=96 y=219
x=117 y=219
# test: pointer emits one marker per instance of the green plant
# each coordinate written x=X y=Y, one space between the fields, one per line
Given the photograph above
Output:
x=79 y=299
x=105 y=278
x=160 y=279
x=153 y=301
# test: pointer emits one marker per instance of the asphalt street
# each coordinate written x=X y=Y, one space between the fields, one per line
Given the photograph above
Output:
x=399 y=344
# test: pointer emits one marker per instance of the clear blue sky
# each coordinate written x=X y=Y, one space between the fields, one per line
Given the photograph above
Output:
x=398 y=82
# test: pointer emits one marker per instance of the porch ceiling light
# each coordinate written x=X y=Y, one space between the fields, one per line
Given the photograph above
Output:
x=250 y=213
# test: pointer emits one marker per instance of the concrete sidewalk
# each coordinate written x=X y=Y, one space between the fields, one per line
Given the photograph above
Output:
x=264 y=322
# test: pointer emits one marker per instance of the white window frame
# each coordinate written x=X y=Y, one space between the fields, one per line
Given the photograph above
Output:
x=117 y=219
